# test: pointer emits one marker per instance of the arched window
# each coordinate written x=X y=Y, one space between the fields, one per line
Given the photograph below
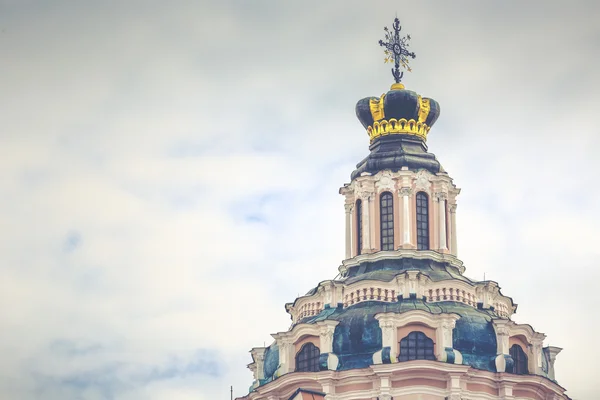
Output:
x=386 y=219
x=307 y=359
x=520 y=359
x=422 y=221
x=359 y=236
x=416 y=346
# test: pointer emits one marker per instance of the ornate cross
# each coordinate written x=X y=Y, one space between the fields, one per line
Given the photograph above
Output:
x=396 y=50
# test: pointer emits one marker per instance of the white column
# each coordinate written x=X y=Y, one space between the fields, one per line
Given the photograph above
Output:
x=388 y=334
x=258 y=354
x=286 y=354
x=446 y=333
x=366 y=224
x=505 y=391
x=455 y=386
x=454 y=245
x=441 y=198
x=501 y=326
x=405 y=192
x=502 y=336
x=552 y=352
x=348 y=208
x=536 y=350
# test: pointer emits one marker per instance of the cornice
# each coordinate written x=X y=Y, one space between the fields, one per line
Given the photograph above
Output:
x=450 y=259
x=511 y=328
x=417 y=316
x=300 y=330
x=402 y=371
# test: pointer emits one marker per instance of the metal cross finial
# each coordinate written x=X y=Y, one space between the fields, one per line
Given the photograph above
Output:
x=396 y=50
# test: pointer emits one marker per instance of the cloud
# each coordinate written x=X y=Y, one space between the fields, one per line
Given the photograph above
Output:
x=170 y=176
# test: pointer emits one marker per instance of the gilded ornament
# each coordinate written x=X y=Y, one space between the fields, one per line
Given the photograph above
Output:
x=424 y=108
x=397 y=126
x=377 y=109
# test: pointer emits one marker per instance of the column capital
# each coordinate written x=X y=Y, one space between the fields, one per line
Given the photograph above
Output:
x=348 y=207
x=441 y=196
x=364 y=194
x=452 y=208
x=405 y=191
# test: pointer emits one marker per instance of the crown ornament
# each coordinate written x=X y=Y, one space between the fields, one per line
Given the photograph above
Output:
x=399 y=111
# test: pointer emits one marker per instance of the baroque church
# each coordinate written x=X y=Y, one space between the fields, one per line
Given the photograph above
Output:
x=403 y=321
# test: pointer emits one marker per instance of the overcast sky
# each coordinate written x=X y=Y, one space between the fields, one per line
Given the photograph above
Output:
x=170 y=170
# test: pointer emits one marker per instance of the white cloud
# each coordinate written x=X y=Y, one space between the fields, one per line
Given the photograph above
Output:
x=195 y=151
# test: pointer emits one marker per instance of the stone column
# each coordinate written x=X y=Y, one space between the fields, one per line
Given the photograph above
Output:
x=441 y=199
x=258 y=354
x=505 y=391
x=326 y=332
x=405 y=193
x=536 y=358
x=348 y=207
x=388 y=334
x=552 y=353
x=286 y=354
x=366 y=224
x=446 y=333
x=389 y=340
x=454 y=384
x=454 y=248
x=502 y=341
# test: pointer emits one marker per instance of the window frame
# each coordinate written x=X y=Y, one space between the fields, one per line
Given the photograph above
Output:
x=359 y=227
x=310 y=360
x=520 y=360
x=422 y=220
x=423 y=347
x=388 y=209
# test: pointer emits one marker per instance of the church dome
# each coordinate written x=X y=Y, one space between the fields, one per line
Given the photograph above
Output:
x=397 y=112
x=401 y=319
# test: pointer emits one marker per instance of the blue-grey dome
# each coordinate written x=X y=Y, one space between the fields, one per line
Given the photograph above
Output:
x=358 y=335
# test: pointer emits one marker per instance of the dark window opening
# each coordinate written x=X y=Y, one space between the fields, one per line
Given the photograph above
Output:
x=422 y=221
x=416 y=346
x=307 y=359
x=359 y=238
x=386 y=220
x=520 y=360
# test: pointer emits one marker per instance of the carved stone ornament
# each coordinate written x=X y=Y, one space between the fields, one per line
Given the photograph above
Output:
x=422 y=181
x=405 y=191
x=328 y=295
x=453 y=208
x=385 y=181
x=441 y=196
x=362 y=192
x=386 y=329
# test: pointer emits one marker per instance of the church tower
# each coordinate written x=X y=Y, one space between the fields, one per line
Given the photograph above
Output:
x=403 y=321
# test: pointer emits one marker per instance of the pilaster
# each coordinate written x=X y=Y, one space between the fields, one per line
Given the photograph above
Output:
x=404 y=197
x=453 y=240
x=441 y=198
x=258 y=355
x=505 y=391
x=501 y=326
x=366 y=192
x=349 y=207
x=326 y=332
x=552 y=352
x=454 y=385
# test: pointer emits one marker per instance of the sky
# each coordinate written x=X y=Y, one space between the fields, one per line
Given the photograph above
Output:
x=169 y=176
